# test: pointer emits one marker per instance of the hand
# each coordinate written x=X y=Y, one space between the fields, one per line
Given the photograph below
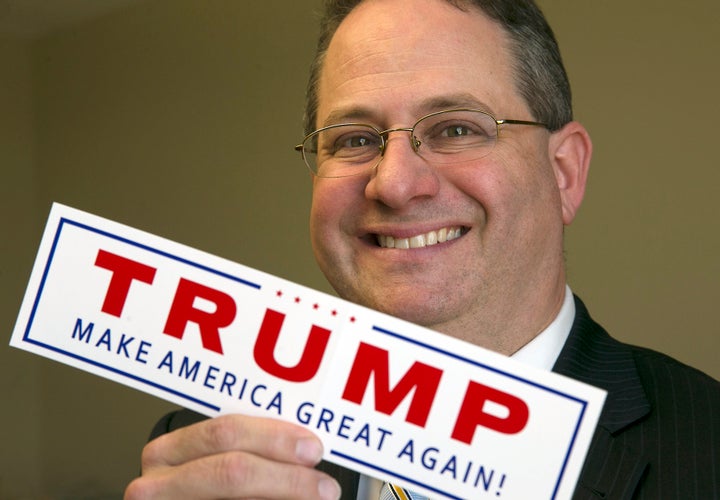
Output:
x=233 y=456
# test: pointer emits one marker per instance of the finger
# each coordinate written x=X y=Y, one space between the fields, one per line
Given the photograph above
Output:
x=269 y=438
x=233 y=475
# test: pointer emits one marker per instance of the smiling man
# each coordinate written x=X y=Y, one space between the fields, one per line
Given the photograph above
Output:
x=446 y=165
x=499 y=279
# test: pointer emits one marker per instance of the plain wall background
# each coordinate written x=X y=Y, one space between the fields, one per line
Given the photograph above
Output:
x=179 y=117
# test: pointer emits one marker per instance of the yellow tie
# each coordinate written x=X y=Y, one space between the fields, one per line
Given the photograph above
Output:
x=392 y=492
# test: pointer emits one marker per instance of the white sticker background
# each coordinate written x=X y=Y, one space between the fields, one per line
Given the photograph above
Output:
x=61 y=318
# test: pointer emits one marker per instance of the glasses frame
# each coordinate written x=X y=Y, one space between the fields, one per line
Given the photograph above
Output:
x=414 y=142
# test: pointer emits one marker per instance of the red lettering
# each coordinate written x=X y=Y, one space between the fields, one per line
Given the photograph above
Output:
x=371 y=360
x=124 y=271
x=472 y=414
x=183 y=310
x=266 y=343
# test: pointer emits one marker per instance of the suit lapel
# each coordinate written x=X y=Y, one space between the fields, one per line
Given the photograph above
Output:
x=612 y=469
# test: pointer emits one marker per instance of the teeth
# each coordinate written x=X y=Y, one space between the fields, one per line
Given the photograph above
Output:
x=442 y=235
x=420 y=240
x=417 y=241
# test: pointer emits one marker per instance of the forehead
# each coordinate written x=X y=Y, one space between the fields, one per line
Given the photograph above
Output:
x=405 y=56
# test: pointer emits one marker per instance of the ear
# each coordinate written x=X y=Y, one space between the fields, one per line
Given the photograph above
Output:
x=570 y=152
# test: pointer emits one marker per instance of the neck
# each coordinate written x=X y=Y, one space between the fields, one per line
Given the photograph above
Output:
x=506 y=330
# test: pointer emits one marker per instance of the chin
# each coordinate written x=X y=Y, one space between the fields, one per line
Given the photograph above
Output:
x=422 y=313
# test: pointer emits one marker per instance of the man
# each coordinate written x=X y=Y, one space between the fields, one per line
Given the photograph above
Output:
x=449 y=220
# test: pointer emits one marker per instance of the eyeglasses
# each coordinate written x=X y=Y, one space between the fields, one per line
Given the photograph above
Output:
x=442 y=138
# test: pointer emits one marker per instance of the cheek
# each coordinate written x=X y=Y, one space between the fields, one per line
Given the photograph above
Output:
x=511 y=189
x=489 y=185
x=319 y=219
x=528 y=173
x=331 y=201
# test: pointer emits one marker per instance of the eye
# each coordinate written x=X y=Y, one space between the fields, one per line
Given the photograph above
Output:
x=448 y=135
x=460 y=129
x=457 y=131
x=353 y=142
x=356 y=141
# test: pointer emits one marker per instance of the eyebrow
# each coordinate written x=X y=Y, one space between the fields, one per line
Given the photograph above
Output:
x=451 y=101
x=430 y=105
x=350 y=114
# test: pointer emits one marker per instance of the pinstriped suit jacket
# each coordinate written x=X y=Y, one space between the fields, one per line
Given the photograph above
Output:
x=659 y=433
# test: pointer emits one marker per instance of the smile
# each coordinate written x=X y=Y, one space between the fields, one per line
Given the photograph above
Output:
x=420 y=240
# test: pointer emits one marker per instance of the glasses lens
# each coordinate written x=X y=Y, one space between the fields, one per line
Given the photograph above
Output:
x=342 y=150
x=456 y=136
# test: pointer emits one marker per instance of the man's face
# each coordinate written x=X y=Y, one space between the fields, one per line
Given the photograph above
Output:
x=502 y=275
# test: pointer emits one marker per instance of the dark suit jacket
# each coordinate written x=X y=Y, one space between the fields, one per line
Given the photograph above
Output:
x=658 y=435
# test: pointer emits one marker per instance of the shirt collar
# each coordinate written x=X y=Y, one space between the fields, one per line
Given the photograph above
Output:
x=544 y=349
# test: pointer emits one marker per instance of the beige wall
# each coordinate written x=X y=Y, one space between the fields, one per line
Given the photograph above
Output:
x=20 y=383
x=179 y=117
x=644 y=251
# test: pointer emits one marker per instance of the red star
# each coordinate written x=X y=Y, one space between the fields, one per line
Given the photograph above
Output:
x=334 y=313
x=316 y=306
x=279 y=293
x=297 y=300
x=352 y=319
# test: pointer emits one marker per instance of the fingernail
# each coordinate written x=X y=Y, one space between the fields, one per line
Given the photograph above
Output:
x=309 y=450
x=329 y=489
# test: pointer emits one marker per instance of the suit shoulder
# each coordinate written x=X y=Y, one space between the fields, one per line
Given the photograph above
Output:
x=676 y=389
x=662 y=366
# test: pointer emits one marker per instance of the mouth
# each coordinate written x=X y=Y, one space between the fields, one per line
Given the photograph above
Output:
x=423 y=240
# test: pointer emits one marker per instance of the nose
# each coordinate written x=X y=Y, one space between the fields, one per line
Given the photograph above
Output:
x=402 y=175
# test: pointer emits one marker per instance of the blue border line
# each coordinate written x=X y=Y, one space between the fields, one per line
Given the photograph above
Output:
x=158 y=252
x=46 y=271
x=63 y=221
x=571 y=445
